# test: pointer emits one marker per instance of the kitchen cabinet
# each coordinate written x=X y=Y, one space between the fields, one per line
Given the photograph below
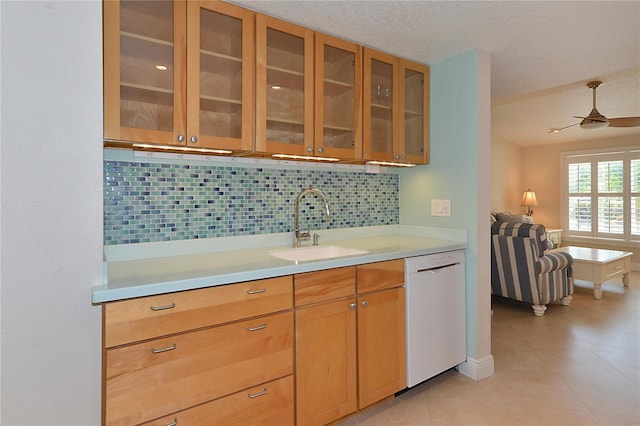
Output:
x=284 y=87
x=199 y=346
x=350 y=348
x=338 y=94
x=396 y=109
x=381 y=331
x=325 y=345
x=179 y=73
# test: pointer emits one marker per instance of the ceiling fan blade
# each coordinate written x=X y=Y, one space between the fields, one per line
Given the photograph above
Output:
x=602 y=119
x=556 y=130
x=624 y=122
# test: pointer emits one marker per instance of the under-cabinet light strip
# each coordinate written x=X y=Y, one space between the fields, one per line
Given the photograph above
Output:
x=304 y=157
x=391 y=164
x=182 y=148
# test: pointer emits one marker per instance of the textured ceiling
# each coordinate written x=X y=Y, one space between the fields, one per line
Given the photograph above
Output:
x=542 y=53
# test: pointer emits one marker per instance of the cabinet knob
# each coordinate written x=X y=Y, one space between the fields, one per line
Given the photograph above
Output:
x=397 y=157
x=320 y=150
x=352 y=305
x=180 y=138
x=364 y=303
x=194 y=139
x=309 y=149
x=174 y=422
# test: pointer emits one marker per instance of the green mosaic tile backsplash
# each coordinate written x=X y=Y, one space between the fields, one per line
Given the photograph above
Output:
x=150 y=202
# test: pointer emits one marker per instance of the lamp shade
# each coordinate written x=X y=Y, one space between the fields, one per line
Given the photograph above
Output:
x=529 y=199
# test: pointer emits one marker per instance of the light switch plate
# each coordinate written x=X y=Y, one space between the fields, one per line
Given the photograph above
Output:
x=441 y=208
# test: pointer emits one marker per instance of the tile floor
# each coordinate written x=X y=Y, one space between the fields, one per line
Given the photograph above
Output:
x=577 y=365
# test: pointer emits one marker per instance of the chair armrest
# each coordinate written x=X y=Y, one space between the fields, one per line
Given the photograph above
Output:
x=554 y=261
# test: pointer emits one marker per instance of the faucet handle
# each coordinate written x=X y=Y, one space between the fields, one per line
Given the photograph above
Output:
x=304 y=236
x=316 y=237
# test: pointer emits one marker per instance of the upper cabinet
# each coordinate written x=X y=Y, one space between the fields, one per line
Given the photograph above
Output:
x=284 y=87
x=179 y=73
x=209 y=74
x=144 y=70
x=396 y=109
x=338 y=91
x=220 y=67
x=414 y=115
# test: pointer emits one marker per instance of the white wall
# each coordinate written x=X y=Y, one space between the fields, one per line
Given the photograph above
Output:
x=506 y=186
x=51 y=211
x=459 y=171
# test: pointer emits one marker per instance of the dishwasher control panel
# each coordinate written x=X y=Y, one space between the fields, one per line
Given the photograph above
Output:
x=413 y=264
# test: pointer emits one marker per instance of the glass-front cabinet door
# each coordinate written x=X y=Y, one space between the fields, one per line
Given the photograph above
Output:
x=381 y=102
x=338 y=94
x=220 y=58
x=284 y=87
x=414 y=130
x=144 y=66
x=179 y=73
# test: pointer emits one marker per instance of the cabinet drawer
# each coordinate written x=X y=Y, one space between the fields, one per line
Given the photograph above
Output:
x=320 y=286
x=269 y=404
x=380 y=275
x=614 y=268
x=154 y=316
x=151 y=379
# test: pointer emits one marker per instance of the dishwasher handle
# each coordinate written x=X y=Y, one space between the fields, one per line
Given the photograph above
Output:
x=437 y=268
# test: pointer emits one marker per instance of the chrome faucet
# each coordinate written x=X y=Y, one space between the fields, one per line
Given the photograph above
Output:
x=297 y=235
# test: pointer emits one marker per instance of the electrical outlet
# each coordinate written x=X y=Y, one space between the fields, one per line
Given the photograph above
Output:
x=441 y=208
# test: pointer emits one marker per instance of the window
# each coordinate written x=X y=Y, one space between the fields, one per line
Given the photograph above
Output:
x=602 y=194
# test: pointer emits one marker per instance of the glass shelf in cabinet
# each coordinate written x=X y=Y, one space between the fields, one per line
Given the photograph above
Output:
x=334 y=88
x=283 y=78
x=221 y=105
x=218 y=63
x=146 y=94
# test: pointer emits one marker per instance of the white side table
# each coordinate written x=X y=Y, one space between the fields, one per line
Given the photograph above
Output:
x=555 y=235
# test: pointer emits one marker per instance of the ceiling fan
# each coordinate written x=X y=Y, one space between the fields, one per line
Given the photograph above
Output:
x=595 y=120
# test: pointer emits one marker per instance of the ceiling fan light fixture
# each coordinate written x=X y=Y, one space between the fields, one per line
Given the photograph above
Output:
x=593 y=124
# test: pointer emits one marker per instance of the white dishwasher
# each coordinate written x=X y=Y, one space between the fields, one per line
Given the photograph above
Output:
x=435 y=305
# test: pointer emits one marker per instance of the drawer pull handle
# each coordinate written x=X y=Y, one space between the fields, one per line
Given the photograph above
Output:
x=173 y=423
x=619 y=267
x=260 y=327
x=255 y=395
x=162 y=308
x=159 y=351
x=258 y=290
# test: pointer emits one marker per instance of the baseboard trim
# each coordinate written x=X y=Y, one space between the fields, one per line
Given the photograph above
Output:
x=477 y=369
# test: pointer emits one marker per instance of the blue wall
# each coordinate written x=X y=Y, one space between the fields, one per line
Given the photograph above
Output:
x=460 y=143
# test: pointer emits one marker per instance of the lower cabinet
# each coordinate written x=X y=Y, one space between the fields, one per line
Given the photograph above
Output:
x=325 y=362
x=350 y=350
x=225 y=355
x=381 y=345
x=227 y=350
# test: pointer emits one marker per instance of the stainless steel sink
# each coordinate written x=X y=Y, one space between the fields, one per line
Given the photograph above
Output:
x=315 y=253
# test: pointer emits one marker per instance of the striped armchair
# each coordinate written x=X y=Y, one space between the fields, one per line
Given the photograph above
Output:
x=522 y=269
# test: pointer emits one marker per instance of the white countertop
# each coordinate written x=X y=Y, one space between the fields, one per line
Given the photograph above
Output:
x=154 y=268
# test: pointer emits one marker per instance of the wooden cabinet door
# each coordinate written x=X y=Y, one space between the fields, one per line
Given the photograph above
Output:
x=381 y=130
x=414 y=105
x=220 y=71
x=325 y=362
x=144 y=71
x=381 y=345
x=284 y=87
x=338 y=94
